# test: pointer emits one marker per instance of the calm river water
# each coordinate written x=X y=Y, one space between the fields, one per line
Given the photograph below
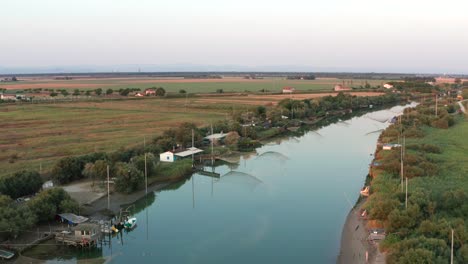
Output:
x=285 y=203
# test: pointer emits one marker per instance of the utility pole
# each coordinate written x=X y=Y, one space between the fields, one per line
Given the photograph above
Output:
x=108 y=191
x=193 y=145
x=212 y=146
x=406 y=195
x=451 y=251
x=146 y=176
x=401 y=166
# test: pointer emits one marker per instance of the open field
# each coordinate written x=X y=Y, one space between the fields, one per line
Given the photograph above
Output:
x=453 y=164
x=255 y=99
x=39 y=134
x=231 y=84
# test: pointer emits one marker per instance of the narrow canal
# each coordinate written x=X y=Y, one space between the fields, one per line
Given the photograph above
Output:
x=285 y=203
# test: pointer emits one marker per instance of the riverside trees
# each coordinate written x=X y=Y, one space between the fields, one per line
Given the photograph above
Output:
x=434 y=162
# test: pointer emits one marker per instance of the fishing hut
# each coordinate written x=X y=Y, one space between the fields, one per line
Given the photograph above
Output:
x=82 y=235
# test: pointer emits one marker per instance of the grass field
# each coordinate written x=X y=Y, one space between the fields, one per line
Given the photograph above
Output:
x=40 y=134
x=190 y=85
x=36 y=135
x=453 y=163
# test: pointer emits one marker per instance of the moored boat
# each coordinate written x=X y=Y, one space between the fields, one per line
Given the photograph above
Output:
x=130 y=223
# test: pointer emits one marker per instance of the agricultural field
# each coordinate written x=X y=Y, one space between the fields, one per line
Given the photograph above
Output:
x=34 y=136
x=230 y=84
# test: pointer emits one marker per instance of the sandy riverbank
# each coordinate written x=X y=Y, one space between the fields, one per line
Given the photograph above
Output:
x=354 y=244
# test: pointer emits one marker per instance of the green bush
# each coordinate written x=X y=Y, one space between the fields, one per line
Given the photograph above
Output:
x=129 y=178
x=21 y=184
x=47 y=204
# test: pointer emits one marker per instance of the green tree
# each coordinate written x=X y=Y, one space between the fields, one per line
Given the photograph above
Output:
x=20 y=184
x=183 y=134
x=76 y=92
x=182 y=91
x=64 y=92
x=160 y=91
x=261 y=112
x=129 y=178
x=67 y=169
x=139 y=163
x=98 y=91
x=14 y=218
x=109 y=91
x=47 y=204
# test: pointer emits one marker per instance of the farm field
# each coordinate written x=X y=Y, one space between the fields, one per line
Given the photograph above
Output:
x=40 y=134
x=36 y=135
x=231 y=84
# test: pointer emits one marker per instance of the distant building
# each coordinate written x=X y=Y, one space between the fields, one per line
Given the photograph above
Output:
x=167 y=156
x=139 y=95
x=445 y=80
x=216 y=138
x=8 y=97
x=390 y=146
x=288 y=90
x=149 y=92
x=171 y=156
x=388 y=86
x=340 y=87
x=47 y=185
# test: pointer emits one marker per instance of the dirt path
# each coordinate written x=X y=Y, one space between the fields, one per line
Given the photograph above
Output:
x=462 y=107
x=354 y=244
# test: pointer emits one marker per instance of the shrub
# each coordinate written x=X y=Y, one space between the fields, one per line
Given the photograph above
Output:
x=47 y=204
x=21 y=184
x=129 y=178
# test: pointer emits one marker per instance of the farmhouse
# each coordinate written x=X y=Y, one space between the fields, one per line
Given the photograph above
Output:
x=340 y=87
x=170 y=156
x=149 y=92
x=139 y=95
x=288 y=90
x=167 y=156
x=388 y=86
x=8 y=97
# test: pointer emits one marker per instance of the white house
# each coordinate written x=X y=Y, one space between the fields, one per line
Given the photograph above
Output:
x=388 y=86
x=340 y=87
x=288 y=90
x=167 y=156
x=390 y=146
x=8 y=97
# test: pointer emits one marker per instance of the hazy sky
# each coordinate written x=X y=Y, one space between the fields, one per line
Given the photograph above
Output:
x=359 y=35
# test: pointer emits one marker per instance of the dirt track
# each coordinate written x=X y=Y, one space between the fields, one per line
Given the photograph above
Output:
x=271 y=99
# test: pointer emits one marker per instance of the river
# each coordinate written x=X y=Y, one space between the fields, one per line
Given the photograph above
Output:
x=285 y=203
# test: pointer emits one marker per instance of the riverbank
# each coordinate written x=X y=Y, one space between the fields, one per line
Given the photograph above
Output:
x=354 y=245
x=419 y=218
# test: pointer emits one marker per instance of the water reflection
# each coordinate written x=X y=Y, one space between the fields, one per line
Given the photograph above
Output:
x=251 y=212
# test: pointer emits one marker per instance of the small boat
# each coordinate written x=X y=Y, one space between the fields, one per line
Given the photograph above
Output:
x=130 y=223
x=114 y=229
x=5 y=254
x=365 y=191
